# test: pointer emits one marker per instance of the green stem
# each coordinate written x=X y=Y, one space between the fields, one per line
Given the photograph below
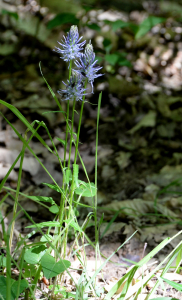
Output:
x=61 y=210
x=67 y=118
x=17 y=194
x=62 y=201
x=95 y=208
x=71 y=138
x=72 y=183
x=20 y=274
x=66 y=138
x=37 y=276
x=79 y=126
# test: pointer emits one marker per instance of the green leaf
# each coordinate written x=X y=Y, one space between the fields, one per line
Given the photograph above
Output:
x=14 y=287
x=3 y=287
x=54 y=209
x=119 y=24
x=60 y=140
x=10 y=13
x=86 y=189
x=178 y=259
x=54 y=111
x=133 y=27
x=112 y=58
x=73 y=224
x=149 y=120
x=45 y=224
x=124 y=62
x=38 y=249
x=61 y=19
x=107 y=42
x=46 y=237
x=29 y=270
x=34 y=254
x=2 y=261
x=175 y=285
x=51 y=268
x=94 y=26
x=54 y=187
x=41 y=198
x=25 y=122
x=147 y=25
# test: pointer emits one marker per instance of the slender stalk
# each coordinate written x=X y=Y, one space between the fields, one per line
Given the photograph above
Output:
x=95 y=206
x=79 y=126
x=17 y=194
x=62 y=201
x=75 y=158
x=61 y=209
x=71 y=137
x=96 y=148
x=20 y=274
x=8 y=268
x=76 y=152
x=67 y=118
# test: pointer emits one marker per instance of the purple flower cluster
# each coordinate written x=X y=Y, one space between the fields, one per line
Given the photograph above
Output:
x=74 y=89
x=86 y=65
x=71 y=45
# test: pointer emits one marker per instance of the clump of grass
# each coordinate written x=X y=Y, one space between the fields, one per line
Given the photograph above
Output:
x=47 y=258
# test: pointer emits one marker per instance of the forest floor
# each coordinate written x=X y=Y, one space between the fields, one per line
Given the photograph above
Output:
x=139 y=153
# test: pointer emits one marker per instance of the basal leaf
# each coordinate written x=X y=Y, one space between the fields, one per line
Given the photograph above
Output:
x=34 y=254
x=86 y=189
x=54 y=209
x=45 y=224
x=51 y=268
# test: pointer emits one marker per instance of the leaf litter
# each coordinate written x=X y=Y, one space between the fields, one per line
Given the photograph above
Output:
x=140 y=144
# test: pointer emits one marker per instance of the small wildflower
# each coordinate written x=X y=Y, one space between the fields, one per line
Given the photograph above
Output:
x=86 y=65
x=71 y=46
x=74 y=89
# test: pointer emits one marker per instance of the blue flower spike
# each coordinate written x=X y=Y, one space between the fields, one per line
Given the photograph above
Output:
x=74 y=88
x=86 y=65
x=71 y=45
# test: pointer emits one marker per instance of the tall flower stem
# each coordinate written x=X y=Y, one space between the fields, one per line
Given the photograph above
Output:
x=67 y=118
x=79 y=126
x=71 y=136
x=69 y=160
x=76 y=153
x=95 y=206
x=63 y=201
